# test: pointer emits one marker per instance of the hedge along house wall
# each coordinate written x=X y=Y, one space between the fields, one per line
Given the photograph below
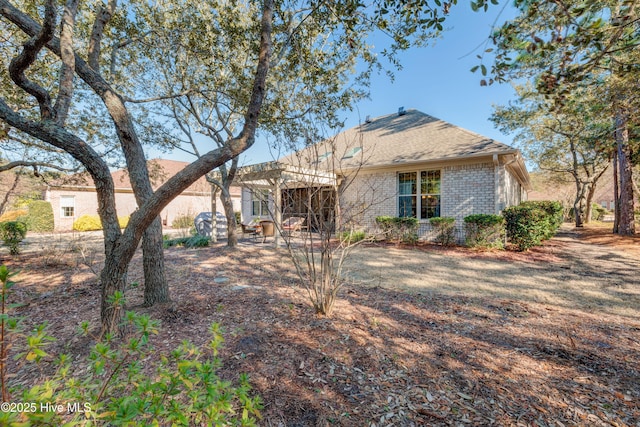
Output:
x=467 y=188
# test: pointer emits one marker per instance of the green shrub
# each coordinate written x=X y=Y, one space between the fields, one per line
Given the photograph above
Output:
x=39 y=218
x=87 y=223
x=187 y=242
x=553 y=215
x=484 y=231
x=197 y=242
x=598 y=212
x=183 y=221
x=527 y=225
x=110 y=387
x=352 y=236
x=12 y=233
x=238 y=216
x=445 y=229
x=403 y=229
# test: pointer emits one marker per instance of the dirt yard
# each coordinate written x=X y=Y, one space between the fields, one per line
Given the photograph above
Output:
x=421 y=335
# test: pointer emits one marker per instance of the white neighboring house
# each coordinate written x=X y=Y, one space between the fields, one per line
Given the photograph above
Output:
x=76 y=196
x=408 y=164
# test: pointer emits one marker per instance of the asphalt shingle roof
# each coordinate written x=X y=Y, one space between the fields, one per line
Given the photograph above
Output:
x=398 y=139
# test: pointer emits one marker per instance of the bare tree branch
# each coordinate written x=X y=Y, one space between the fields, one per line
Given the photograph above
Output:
x=5 y=199
x=102 y=19
x=67 y=25
x=28 y=56
x=23 y=163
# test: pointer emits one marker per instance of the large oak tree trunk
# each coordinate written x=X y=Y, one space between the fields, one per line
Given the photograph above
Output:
x=120 y=246
x=113 y=278
x=626 y=224
x=156 y=288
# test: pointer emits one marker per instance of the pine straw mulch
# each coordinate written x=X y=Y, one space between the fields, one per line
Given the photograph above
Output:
x=384 y=358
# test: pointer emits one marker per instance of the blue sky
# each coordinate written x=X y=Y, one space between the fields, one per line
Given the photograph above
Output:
x=436 y=80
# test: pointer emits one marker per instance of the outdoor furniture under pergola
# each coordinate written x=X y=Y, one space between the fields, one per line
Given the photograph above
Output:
x=276 y=176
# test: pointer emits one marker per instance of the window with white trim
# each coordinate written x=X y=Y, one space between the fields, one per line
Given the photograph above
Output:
x=67 y=206
x=419 y=194
x=260 y=202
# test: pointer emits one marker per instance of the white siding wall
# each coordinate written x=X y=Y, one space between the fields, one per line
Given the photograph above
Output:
x=86 y=203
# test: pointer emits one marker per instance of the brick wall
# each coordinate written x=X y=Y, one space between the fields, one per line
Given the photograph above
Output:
x=465 y=190
x=468 y=190
x=366 y=196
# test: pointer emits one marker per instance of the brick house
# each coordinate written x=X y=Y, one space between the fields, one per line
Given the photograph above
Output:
x=75 y=196
x=407 y=164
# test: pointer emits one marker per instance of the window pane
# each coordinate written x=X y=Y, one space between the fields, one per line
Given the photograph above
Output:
x=67 y=206
x=407 y=183
x=430 y=182
x=429 y=206
x=67 y=211
x=407 y=206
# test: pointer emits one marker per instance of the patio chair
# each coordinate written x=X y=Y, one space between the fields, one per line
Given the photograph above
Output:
x=268 y=229
x=292 y=224
x=252 y=229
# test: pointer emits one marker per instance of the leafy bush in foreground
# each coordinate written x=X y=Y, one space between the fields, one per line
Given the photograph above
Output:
x=114 y=388
x=12 y=233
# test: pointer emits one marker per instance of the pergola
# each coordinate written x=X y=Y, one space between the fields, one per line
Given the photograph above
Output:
x=276 y=176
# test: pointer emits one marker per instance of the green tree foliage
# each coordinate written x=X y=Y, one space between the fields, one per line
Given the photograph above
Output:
x=568 y=141
x=563 y=46
x=79 y=60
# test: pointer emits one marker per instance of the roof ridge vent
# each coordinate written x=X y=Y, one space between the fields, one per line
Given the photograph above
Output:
x=401 y=111
x=367 y=119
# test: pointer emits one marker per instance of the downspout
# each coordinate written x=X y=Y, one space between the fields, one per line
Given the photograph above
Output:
x=496 y=184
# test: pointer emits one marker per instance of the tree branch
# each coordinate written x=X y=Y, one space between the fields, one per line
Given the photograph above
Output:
x=103 y=16
x=28 y=56
x=63 y=103
x=23 y=163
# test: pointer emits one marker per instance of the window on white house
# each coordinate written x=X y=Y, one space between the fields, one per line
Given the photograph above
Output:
x=67 y=206
x=419 y=194
x=260 y=202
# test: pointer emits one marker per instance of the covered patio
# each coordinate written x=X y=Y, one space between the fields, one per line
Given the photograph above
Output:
x=290 y=190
